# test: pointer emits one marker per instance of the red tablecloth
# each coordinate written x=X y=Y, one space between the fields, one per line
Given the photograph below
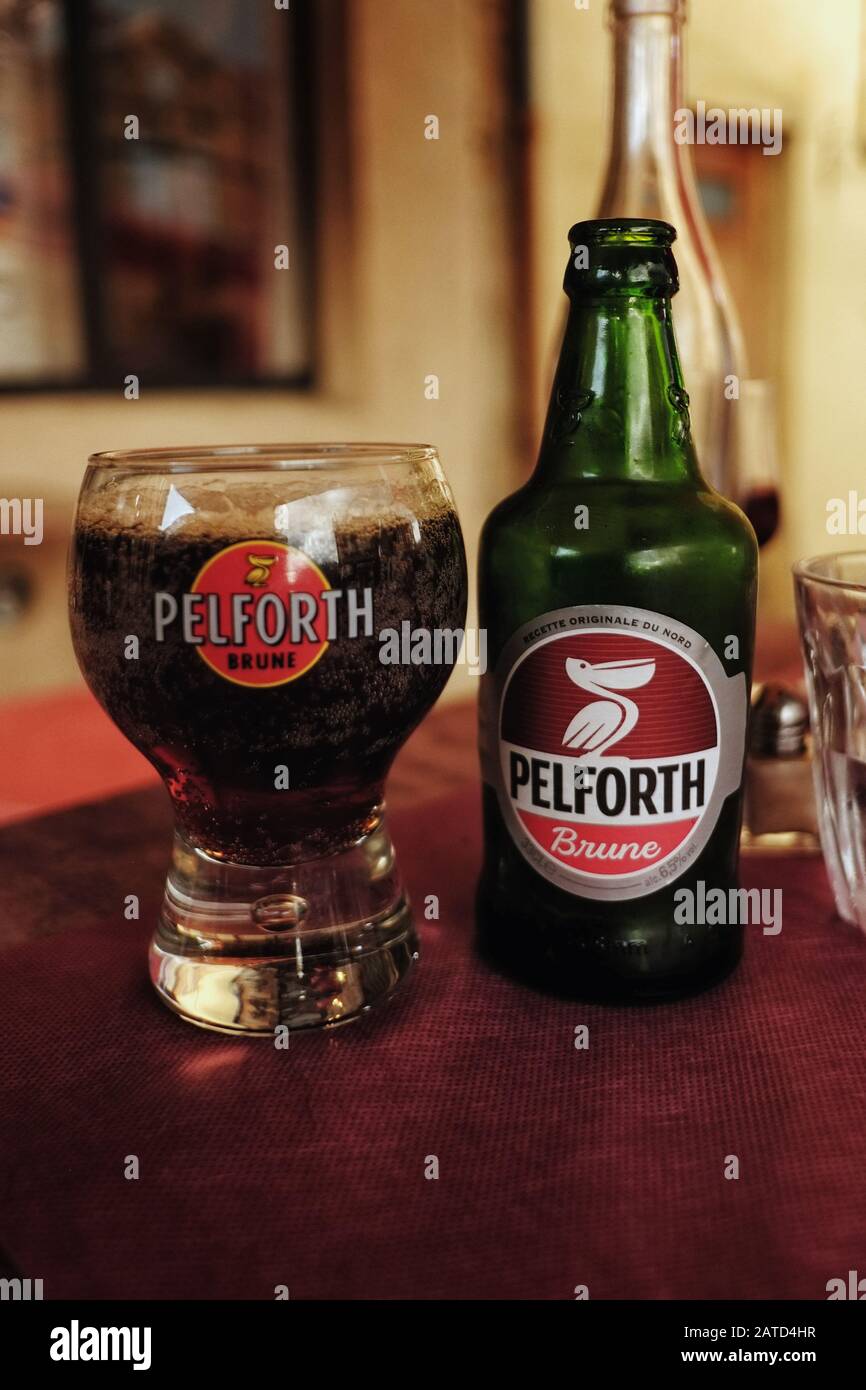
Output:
x=557 y=1167
x=58 y=749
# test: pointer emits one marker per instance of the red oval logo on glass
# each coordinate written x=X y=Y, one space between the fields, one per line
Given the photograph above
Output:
x=262 y=620
x=609 y=749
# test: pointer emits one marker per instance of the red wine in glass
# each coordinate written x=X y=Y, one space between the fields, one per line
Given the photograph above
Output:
x=761 y=505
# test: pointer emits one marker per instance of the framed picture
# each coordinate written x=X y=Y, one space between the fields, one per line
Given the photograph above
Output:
x=156 y=208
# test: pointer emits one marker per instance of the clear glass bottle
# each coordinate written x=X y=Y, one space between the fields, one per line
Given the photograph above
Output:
x=650 y=175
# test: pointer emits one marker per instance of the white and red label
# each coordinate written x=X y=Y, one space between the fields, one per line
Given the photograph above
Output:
x=618 y=736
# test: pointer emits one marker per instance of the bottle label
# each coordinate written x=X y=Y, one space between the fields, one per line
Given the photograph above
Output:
x=612 y=737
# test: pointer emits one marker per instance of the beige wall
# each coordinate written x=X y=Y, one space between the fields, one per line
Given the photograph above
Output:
x=422 y=267
x=415 y=280
x=805 y=58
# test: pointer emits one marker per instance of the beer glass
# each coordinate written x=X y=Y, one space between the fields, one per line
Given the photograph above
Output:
x=267 y=624
x=831 y=608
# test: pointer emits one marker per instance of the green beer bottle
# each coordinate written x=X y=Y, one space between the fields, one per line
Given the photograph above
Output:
x=618 y=593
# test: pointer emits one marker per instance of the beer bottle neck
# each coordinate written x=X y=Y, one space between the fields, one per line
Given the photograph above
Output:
x=619 y=409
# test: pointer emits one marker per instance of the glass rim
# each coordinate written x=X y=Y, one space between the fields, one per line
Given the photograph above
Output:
x=298 y=455
x=803 y=569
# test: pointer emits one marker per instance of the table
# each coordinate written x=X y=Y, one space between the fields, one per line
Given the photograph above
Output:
x=312 y=1168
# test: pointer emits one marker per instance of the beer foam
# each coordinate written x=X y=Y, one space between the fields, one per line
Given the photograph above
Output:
x=306 y=507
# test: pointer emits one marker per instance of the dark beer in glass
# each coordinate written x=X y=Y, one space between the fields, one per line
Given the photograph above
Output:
x=229 y=610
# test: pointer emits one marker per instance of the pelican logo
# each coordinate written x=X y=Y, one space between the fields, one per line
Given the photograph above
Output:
x=599 y=725
x=260 y=570
x=616 y=797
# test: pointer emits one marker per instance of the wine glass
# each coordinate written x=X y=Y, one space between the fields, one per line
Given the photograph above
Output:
x=756 y=443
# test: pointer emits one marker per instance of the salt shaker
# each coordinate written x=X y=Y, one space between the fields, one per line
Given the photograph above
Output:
x=779 y=814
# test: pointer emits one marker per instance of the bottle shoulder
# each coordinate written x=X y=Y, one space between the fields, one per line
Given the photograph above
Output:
x=731 y=517
x=513 y=511
x=681 y=550
x=597 y=512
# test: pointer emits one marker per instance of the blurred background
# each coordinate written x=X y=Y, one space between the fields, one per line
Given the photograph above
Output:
x=232 y=220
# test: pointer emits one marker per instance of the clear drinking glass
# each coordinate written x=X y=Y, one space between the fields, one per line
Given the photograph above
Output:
x=246 y=616
x=831 y=607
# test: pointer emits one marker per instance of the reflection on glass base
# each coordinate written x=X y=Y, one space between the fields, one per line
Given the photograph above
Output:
x=245 y=950
x=779 y=842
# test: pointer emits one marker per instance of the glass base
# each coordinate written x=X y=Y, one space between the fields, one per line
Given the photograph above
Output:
x=779 y=842
x=245 y=950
